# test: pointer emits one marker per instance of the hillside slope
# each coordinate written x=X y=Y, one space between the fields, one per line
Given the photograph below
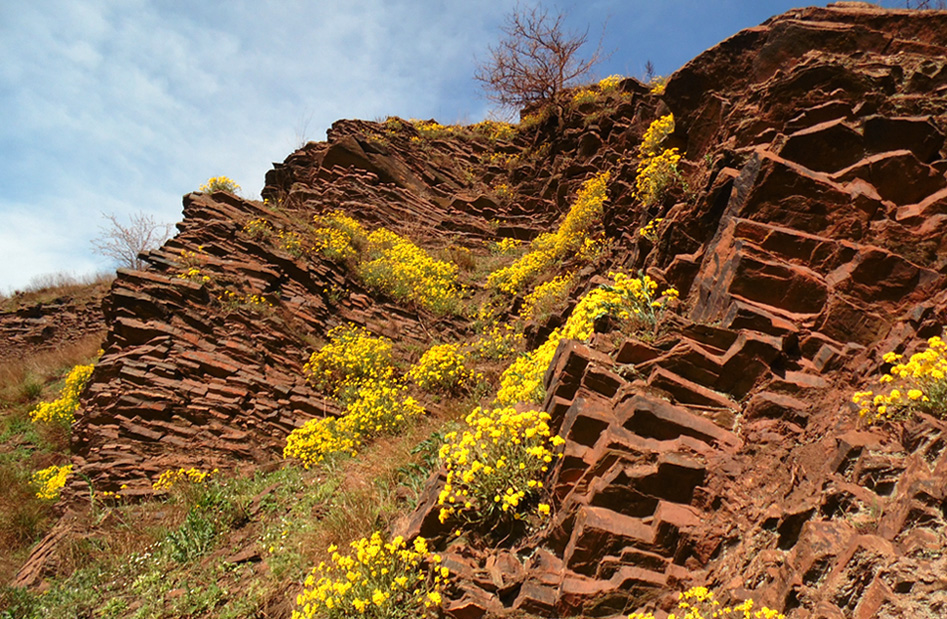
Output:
x=807 y=239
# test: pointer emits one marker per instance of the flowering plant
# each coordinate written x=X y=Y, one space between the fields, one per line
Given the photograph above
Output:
x=376 y=580
x=571 y=237
x=63 y=409
x=443 y=369
x=49 y=481
x=352 y=357
x=220 y=183
x=171 y=477
x=919 y=385
x=657 y=167
x=627 y=298
x=699 y=603
x=496 y=465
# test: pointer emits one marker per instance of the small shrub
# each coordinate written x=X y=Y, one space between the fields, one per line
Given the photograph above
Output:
x=656 y=176
x=433 y=129
x=657 y=85
x=338 y=237
x=633 y=300
x=194 y=274
x=503 y=191
x=220 y=183
x=352 y=357
x=497 y=342
x=377 y=580
x=920 y=385
x=49 y=481
x=657 y=167
x=193 y=538
x=505 y=246
x=233 y=300
x=545 y=296
x=170 y=478
x=583 y=96
x=699 y=603
x=496 y=465
x=570 y=238
x=376 y=408
x=258 y=228
x=535 y=118
x=655 y=135
x=408 y=273
x=650 y=231
x=63 y=409
x=610 y=83
x=443 y=369
x=495 y=130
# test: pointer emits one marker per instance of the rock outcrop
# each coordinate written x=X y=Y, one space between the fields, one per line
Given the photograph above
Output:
x=811 y=239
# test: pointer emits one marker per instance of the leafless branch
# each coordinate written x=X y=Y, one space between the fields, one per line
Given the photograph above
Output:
x=535 y=59
x=123 y=243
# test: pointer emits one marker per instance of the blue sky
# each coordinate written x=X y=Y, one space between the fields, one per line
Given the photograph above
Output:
x=120 y=106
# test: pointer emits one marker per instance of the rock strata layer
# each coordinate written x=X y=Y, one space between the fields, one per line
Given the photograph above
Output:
x=811 y=239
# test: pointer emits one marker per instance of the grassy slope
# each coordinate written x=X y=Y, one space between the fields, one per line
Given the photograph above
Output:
x=236 y=546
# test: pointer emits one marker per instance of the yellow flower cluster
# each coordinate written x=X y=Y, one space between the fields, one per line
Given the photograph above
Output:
x=496 y=465
x=657 y=168
x=545 y=296
x=569 y=238
x=194 y=274
x=63 y=409
x=655 y=135
x=502 y=159
x=583 y=95
x=352 y=357
x=443 y=368
x=650 y=231
x=49 y=481
x=171 y=477
x=658 y=84
x=258 y=228
x=699 y=603
x=233 y=300
x=495 y=130
x=220 y=183
x=631 y=299
x=337 y=236
x=505 y=246
x=610 y=83
x=408 y=273
x=655 y=175
x=375 y=408
x=502 y=190
x=432 y=129
x=499 y=341
x=291 y=242
x=920 y=385
x=356 y=368
x=376 y=580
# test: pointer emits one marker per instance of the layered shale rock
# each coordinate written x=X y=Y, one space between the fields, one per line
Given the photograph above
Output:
x=810 y=240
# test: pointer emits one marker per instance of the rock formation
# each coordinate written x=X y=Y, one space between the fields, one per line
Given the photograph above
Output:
x=811 y=239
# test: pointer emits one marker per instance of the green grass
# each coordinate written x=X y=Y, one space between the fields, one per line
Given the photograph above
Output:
x=168 y=557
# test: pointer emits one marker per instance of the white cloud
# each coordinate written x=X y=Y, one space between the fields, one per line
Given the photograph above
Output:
x=125 y=105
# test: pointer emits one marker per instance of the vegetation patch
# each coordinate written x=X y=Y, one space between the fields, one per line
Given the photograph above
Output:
x=377 y=579
x=918 y=385
x=572 y=237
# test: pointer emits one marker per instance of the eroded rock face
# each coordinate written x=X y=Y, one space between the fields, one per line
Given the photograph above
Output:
x=723 y=453
x=47 y=325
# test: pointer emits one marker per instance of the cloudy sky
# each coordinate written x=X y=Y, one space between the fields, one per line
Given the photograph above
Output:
x=121 y=106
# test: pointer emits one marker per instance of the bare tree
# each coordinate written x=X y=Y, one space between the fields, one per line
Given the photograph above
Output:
x=925 y=5
x=535 y=59
x=649 y=72
x=124 y=243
